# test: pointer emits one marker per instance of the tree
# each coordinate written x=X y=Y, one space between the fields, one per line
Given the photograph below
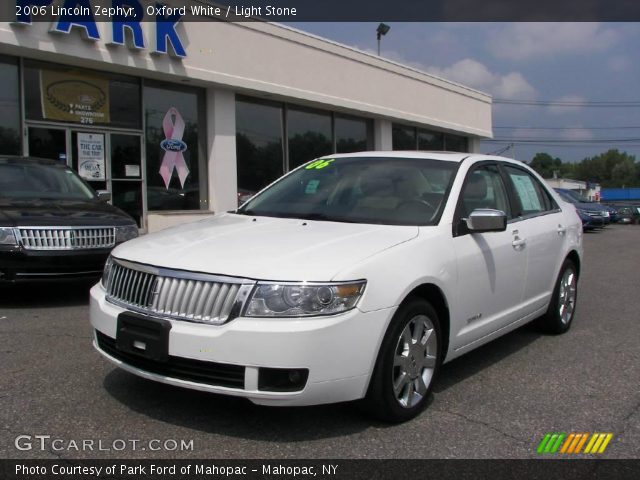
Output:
x=610 y=169
x=546 y=165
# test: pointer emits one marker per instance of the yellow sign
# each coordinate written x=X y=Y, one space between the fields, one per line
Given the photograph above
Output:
x=74 y=97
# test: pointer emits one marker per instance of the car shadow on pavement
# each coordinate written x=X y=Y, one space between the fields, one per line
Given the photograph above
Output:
x=483 y=357
x=235 y=416
x=46 y=294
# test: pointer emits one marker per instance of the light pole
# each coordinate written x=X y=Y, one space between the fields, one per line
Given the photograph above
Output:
x=382 y=30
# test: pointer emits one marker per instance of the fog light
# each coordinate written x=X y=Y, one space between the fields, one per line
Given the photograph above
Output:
x=282 y=379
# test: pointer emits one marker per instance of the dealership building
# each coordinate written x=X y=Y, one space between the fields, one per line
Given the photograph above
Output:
x=177 y=119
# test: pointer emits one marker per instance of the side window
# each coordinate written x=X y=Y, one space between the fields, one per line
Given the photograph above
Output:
x=484 y=188
x=531 y=197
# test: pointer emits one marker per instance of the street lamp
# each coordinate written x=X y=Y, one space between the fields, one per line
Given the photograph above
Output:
x=382 y=29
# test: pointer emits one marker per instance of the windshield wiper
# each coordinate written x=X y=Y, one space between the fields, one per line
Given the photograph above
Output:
x=244 y=212
x=324 y=218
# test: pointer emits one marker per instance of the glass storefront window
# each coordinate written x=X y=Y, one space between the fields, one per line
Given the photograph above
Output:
x=85 y=97
x=456 y=143
x=430 y=140
x=352 y=134
x=309 y=135
x=10 y=107
x=403 y=137
x=411 y=138
x=176 y=162
x=258 y=144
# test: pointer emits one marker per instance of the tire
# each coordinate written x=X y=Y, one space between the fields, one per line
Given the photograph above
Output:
x=562 y=307
x=407 y=364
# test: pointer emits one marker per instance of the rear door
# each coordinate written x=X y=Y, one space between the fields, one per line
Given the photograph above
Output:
x=542 y=228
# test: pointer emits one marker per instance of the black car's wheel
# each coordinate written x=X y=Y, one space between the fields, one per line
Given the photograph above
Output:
x=407 y=364
x=563 y=302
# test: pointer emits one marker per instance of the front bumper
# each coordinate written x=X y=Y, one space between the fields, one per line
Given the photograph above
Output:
x=339 y=352
x=18 y=265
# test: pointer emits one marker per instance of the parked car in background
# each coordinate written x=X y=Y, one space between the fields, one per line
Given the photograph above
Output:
x=352 y=277
x=52 y=224
x=613 y=212
x=592 y=214
x=587 y=204
x=628 y=214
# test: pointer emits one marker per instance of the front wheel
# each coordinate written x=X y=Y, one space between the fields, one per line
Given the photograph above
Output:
x=407 y=364
x=562 y=308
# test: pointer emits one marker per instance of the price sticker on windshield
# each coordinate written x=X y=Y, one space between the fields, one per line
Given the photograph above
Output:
x=319 y=164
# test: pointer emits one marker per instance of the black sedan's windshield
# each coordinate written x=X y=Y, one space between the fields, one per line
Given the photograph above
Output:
x=391 y=191
x=35 y=181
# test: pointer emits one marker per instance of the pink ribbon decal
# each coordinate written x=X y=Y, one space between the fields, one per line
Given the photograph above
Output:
x=173 y=126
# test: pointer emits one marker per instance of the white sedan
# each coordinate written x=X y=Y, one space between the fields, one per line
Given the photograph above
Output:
x=352 y=277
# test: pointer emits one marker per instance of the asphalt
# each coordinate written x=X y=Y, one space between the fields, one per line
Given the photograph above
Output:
x=495 y=402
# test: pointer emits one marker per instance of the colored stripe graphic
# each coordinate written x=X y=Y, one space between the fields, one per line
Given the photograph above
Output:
x=572 y=443
x=550 y=443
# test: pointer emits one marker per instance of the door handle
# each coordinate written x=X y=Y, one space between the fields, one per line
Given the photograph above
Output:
x=562 y=230
x=518 y=243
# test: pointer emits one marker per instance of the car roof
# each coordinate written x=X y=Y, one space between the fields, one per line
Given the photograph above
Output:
x=16 y=160
x=427 y=155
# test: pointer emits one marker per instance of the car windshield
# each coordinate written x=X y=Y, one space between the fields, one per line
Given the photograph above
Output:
x=390 y=191
x=36 y=181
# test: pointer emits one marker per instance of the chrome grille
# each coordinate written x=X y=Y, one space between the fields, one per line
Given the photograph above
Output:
x=176 y=294
x=66 y=238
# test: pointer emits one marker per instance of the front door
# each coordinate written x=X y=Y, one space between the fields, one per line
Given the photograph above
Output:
x=491 y=265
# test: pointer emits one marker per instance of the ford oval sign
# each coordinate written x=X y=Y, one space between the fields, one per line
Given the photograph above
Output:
x=173 y=145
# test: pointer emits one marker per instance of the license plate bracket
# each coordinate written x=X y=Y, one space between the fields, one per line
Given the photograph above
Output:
x=143 y=336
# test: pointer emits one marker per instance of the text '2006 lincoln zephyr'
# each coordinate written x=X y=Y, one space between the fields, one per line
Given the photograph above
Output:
x=352 y=277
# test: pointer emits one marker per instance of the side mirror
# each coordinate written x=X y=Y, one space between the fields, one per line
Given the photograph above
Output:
x=486 y=220
x=104 y=195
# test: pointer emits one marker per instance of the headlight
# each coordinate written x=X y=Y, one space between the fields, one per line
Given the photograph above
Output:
x=106 y=273
x=303 y=299
x=7 y=236
x=126 y=233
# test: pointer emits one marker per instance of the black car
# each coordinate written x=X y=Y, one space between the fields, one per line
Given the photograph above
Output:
x=628 y=214
x=52 y=224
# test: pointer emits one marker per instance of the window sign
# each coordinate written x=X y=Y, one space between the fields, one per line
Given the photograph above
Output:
x=132 y=170
x=91 y=156
x=527 y=193
x=73 y=97
x=173 y=146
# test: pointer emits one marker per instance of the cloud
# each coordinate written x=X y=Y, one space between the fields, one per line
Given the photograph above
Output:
x=522 y=41
x=562 y=109
x=470 y=72
x=619 y=64
x=576 y=133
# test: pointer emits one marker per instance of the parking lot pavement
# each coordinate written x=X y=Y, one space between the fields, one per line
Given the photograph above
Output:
x=496 y=402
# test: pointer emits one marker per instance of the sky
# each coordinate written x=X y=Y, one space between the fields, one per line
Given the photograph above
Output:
x=584 y=78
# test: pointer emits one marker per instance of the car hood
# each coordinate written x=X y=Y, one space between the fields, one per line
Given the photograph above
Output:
x=590 y=207
x=42 y=213
x=263 y=247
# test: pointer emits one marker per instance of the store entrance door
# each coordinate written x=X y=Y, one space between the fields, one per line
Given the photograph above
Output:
x=126 y=174
x=106 y=160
